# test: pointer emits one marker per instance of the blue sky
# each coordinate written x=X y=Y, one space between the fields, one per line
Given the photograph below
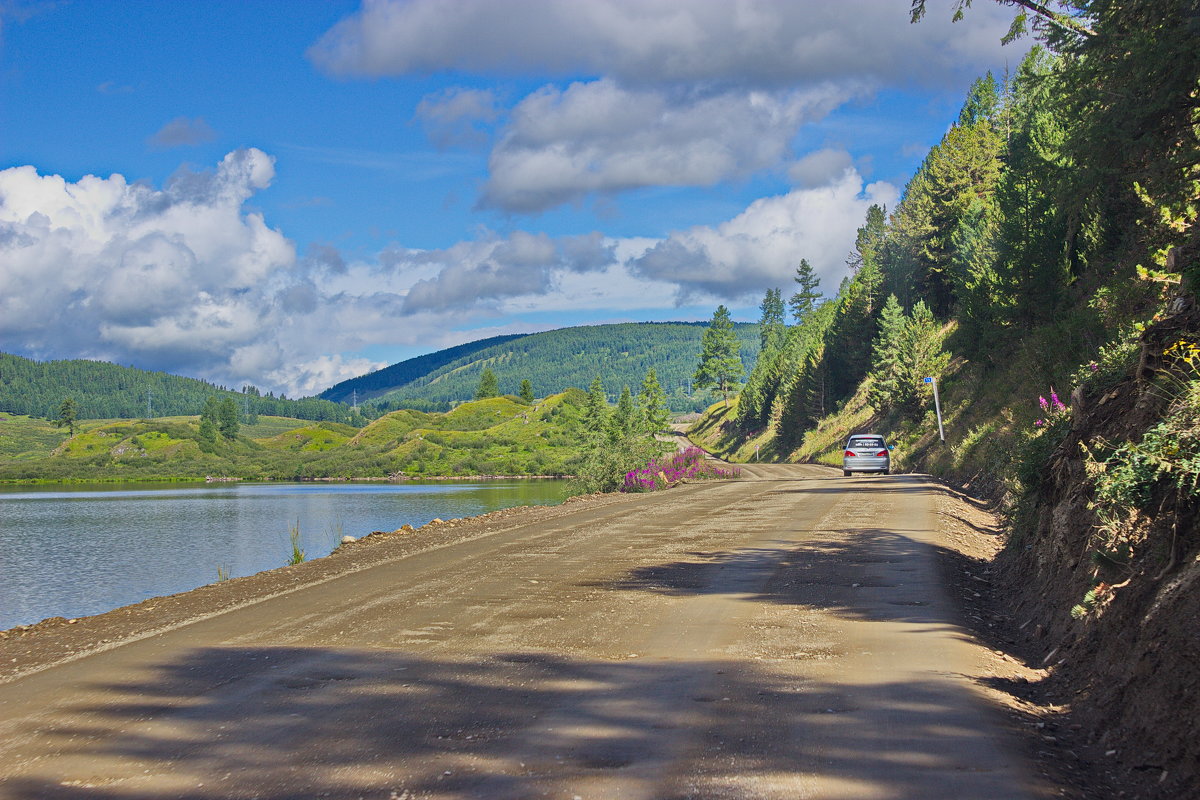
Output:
x=290 y=194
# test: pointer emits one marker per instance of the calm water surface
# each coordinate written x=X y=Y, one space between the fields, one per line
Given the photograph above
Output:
x=84 y=550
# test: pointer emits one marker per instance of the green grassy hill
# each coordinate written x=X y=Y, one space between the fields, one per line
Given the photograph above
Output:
x=552 y=361
x=496 y=436
x=27 y=437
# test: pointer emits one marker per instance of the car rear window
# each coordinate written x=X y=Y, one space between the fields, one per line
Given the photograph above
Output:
x=865 y=441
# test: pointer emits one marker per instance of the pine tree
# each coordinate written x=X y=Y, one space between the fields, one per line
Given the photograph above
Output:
x=623 y=423
x=66 y=416
x=772 y=321
x=526 y=393
x=227 y=418
x=653 y=403
x=595 y=410
x=208 y=435
x=489 y=386
x=924 y=357
x=805 y=300
x=720 y=363
x=210 y=424
x=887 y=356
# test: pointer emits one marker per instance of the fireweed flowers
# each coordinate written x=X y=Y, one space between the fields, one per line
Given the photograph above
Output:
x=662 y=473
x=1052 y=408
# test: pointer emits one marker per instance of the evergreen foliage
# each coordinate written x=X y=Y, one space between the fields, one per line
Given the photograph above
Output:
x=624 y=421
x=67 y=415
x=1020 y=235
x=595 y=412
x=887 y=360
x=653 y=403
x=488 y=385
x=772 y=323
x=720 y=365
x=526 y=392
x=107 y=391
x=227 y=418
x=806 y=297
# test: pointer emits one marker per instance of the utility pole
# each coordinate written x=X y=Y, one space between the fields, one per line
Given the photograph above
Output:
x=937 y=405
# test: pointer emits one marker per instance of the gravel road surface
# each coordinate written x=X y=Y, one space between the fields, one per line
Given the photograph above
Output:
x=786 y=635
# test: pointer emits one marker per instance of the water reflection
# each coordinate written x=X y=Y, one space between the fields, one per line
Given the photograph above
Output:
x=87 y=549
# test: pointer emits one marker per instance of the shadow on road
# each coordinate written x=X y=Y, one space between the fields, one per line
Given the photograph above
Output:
x=291 y=723
x=875 y=574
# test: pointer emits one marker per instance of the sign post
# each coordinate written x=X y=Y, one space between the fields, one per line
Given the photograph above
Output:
x=937 y=405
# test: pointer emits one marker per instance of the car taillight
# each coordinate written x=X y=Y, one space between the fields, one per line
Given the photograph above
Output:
x=849 y=454
x=882 y=453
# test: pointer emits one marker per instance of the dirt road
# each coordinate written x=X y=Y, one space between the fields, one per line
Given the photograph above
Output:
x=781 y=636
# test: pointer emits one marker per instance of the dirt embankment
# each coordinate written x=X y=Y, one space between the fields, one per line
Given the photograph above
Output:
x=1124 y=663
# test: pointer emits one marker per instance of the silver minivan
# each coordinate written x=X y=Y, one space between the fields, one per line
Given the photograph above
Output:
x=866 y=452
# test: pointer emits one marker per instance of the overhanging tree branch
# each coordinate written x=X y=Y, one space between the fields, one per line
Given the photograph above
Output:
x=1064 y=22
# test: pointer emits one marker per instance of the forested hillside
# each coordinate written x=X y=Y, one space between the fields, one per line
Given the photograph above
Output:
x=107 y=391
x=1026 y=253
x=1042 y=267
x=554 y=360
x=372 y=385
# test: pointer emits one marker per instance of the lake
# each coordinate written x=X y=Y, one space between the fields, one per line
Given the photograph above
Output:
x=80 y=550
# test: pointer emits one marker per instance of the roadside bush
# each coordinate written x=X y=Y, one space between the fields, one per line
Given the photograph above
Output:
x=604 y=464
x=662 y=473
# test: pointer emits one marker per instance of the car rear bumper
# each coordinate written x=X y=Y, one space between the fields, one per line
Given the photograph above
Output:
x=866 y=464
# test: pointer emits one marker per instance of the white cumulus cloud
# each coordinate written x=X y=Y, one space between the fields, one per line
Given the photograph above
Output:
x=187 y=280
x=662 y=93
x=599 y=137
x=761 y=247
x=751 y=43
x=181 y=279
x=484 y=271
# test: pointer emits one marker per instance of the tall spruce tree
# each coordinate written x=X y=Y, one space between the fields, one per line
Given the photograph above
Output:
x=595 y=410
x=772 y=321
x=805 y=299
x=489 y=386
x=720 y=363
x=653 y=403
x=526 y=392
x=227 y=418
x=624 y=421
x=67 y=412
x=887 y=356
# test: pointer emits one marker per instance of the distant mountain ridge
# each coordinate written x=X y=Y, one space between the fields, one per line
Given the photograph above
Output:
x=102 y=390
x=552 y=361
x=373 y=384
